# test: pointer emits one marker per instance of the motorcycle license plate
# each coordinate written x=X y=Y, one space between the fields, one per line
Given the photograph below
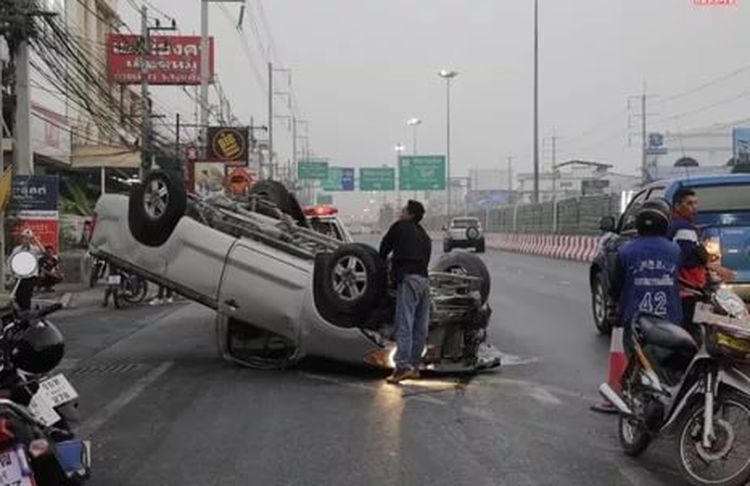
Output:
x=52 y=393
x=57 y=390
x=114 y=279
x=14 y=470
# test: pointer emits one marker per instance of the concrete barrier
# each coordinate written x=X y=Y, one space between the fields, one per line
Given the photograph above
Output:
x=562 y=247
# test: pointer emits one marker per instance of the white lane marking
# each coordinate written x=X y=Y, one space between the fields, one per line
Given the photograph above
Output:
x=103 y=415
x=395 y=389
x=499 y=380
x=507 y=359
x=544 y=396
x=542 y=277
x=564 y=282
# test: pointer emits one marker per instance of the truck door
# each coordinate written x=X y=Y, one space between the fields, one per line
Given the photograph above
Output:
x=265 y=287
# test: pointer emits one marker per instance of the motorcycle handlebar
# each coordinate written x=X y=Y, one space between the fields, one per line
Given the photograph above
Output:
x=39 y=313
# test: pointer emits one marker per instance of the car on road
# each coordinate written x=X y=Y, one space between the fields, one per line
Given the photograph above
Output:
x=465 y=232
x=724 y=220
x=281 y=290
x=324 y=219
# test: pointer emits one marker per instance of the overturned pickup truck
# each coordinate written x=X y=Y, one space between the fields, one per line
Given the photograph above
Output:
x=281 y=290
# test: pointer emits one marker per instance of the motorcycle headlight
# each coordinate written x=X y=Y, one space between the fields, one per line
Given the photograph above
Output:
x=731 y=303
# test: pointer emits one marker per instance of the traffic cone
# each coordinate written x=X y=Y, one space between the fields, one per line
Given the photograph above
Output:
x=618 y=361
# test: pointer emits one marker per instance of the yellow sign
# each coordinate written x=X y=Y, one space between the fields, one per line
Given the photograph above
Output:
x=5 y=188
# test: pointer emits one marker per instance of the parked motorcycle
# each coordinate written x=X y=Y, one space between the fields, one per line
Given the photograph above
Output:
x=50 y=270
x=37 y=446
x=701 y=390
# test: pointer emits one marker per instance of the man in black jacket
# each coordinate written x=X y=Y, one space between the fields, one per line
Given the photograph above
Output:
x=411 y=248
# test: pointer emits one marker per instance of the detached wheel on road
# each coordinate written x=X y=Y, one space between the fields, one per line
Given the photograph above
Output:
x=355 y=278
x=155 y=207
x=134 y=288
x=602 y=306
x=468 y=264
x=277 y=193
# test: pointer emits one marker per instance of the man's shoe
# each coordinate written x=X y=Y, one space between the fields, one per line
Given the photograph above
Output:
x=399 y=375
x=414 y=374
x=156 y=301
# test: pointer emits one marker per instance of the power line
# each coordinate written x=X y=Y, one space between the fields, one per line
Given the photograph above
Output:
x=705 y=85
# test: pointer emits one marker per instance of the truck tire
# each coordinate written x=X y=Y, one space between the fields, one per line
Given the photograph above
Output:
x=466 y=264
x=276 y=192
x=155 y=207
x=354 y=279
x=472 y=233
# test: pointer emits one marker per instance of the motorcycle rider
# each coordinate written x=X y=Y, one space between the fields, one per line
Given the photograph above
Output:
x=695 y=260
x=25 y=290
x=411 y=247
x=645 y=272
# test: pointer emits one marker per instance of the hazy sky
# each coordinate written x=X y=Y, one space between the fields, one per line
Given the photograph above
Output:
x=363 y=67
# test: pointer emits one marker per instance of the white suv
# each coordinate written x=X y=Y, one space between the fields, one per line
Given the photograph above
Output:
x=463 y=232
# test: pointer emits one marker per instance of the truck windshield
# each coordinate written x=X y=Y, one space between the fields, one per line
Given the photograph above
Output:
x=723 y=198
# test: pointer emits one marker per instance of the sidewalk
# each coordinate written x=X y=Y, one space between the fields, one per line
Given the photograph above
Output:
x=72 y=295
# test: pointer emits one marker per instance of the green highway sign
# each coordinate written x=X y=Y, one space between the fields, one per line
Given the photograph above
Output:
x=377 y=179
x=421 y=172
x=339 y=179
x=312 y=170
x=325 y=198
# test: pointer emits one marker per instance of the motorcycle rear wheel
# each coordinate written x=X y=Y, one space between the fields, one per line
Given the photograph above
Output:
x=634 y=438
x=698 y=465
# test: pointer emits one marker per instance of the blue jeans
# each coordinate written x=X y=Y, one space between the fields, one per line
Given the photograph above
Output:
x=412 y=319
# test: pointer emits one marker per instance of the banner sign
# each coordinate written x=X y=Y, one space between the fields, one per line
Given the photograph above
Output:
x=421 y=172
x=312 y=170
x=208 y=178
x=239 y=180
x=32 y=194
x=173 y=60
x=377 y=179
x=741 y=145
x=228 y=144
x=339 y=179
x=34 y=205
x=656 y=144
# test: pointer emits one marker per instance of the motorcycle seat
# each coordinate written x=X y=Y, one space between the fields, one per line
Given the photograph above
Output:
x=660 y=332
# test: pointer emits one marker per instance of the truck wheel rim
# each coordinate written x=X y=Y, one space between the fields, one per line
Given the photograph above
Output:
x=156 y=199
x=350 y=278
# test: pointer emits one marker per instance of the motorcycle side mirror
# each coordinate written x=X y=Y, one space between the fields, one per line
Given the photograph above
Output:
x=23 y=264
x=607 y=224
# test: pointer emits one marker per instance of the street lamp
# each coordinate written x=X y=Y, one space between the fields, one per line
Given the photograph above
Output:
x=399 y=148
x=448 y=75
x=414 y=123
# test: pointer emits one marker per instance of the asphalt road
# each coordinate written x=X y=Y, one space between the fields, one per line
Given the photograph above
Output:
x=162 y=409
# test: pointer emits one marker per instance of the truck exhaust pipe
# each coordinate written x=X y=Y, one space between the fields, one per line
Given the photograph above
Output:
x=612 y=397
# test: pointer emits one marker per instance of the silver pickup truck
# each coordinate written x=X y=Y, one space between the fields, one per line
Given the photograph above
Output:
x=282 y=291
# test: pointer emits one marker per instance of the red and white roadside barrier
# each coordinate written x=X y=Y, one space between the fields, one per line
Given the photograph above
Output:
x=563 y=247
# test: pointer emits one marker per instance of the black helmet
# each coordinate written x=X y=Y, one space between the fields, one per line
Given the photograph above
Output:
x=653 y=218
x=39 y=349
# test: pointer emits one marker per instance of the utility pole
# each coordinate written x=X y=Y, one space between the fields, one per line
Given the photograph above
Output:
x=145 y=104
x=510 y=177
x=204 y=72
x=554 y=166
x=2 y=162
x=644 y=145
x=23 y=157
x=270 y=120
x=536 y=101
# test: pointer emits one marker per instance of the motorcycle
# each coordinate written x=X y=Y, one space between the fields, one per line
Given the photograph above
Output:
x=50 y=270
x=37 y=446
x=699 y=390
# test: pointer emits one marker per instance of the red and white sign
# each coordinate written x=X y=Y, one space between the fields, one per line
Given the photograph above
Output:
x=47 y=231
x=174 y=59
x=715 y=3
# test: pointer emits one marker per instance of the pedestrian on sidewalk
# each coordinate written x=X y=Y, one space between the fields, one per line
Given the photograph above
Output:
x=411 y=248
x=160 y=297
x=113 y=284
x=25 y=290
